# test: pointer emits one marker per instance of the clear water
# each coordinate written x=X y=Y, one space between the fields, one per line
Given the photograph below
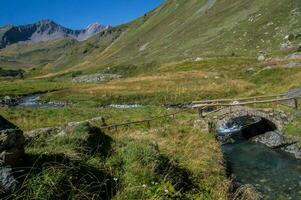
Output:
x=275 y=174
x=34 y=101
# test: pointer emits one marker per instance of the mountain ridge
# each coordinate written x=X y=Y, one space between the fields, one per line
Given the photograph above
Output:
x=45 y=30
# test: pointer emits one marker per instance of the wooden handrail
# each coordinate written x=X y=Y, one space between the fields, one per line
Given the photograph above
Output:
x=237 y=99
x=142 y=121
x=242 y=103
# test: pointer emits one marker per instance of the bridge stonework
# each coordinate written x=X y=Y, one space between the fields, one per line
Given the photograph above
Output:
x=279 y=119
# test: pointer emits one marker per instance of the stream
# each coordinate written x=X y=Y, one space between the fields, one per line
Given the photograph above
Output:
x=30 y=101
x=275 y=174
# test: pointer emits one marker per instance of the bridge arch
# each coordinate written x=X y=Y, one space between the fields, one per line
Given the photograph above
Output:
x=272 y=120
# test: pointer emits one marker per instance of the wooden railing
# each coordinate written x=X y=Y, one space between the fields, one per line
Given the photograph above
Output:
x=254 y=98
x=219 y=104
x=146 y=121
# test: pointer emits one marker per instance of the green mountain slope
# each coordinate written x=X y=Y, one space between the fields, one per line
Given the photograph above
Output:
x=179 y=30
x=34 y=55
x=187 y=29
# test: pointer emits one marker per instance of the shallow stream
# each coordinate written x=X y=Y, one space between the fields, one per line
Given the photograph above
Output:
x=274 y=173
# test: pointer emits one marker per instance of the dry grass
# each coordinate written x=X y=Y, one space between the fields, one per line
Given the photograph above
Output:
x=195 y=150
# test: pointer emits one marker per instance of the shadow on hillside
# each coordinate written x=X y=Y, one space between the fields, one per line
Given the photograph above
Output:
x=98 y=143
x=178 y=176
x=71 y=179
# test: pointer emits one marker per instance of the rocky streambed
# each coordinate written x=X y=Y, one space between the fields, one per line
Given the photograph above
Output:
x=30 y=101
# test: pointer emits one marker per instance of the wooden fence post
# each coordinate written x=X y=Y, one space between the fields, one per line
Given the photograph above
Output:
x=201 y=113
x=148 y=124
x=296 y=103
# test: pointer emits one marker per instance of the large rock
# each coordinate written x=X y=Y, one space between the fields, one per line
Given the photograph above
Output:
x=8 y=183
x=293 y=149
x=271 y=139
x=276 y=140
x=12 y=144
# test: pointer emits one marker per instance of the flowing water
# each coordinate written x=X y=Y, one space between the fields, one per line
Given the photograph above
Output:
x=34 y=101
x=274 y=173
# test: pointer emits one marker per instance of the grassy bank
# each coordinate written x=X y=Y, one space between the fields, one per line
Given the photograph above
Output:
x=172 y=160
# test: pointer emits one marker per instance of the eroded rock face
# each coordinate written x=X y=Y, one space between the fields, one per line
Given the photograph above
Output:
x=12 y=143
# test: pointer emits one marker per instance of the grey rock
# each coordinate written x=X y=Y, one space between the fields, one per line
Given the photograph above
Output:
x=271 y=139
x=7 y=181
x=293 y=149
x=62 y=130
x=12 y=143
x=31 y=135
x=95 y=78
x=276 y=140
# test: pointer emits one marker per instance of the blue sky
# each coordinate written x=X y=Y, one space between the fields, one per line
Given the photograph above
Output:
x=74 y=14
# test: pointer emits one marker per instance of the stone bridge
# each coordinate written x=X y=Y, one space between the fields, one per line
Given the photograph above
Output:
x=224 y=115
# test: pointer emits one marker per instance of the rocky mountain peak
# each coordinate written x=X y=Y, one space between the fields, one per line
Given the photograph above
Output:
x=45 y=30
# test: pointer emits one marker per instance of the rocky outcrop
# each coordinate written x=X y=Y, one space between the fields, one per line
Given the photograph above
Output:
x=272 y=139
x=95 y=78
x=12 y=144
x=45 y=30
x=62 y=130
x=293 y=149
x=276 y=140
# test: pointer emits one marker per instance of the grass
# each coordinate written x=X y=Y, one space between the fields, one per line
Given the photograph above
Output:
x=172 y=159
x=170 y=156
x=132 y=163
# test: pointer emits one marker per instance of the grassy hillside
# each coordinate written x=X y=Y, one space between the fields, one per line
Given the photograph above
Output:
x=55 y=55
x=179 y=30
x=33 y=55
x=175 y=31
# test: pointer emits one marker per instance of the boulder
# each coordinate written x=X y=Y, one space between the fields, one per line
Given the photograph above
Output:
x=271 y=139
x=293 y=149
x=12 y=143
x=8 y=183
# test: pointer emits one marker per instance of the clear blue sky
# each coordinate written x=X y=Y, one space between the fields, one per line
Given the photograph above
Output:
x=74 y=14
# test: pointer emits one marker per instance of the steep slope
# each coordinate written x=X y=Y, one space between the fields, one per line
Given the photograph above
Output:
x=45 y=30
x=179 y=30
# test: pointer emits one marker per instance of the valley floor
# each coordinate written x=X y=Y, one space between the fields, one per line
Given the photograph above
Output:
x=141 y=162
